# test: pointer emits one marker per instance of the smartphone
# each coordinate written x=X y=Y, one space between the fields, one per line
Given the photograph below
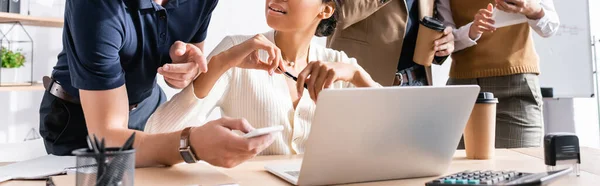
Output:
x=263 y=131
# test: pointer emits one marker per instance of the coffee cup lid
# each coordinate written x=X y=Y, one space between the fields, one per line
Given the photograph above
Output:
x=433 y=23
x=486 y=97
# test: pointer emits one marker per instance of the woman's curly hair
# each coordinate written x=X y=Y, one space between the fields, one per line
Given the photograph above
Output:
x=327 y=26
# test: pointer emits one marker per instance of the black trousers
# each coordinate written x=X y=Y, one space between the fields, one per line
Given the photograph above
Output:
x=63 y=127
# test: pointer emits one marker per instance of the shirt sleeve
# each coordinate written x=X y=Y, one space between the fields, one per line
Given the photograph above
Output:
x=200 y=35
x=461 y=35
x=185 y=109
x=93 y=38
x=549 y=24
x=342 y=57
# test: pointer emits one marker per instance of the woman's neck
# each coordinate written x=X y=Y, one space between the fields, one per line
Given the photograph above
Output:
x=294 y=46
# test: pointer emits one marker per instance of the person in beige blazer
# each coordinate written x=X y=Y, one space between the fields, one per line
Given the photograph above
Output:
x=381 y=35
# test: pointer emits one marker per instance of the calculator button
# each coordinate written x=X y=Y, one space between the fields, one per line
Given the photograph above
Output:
x=450 y=181
x=438 y=181
x=486 y=182
x=461 y=181
x=473 y=182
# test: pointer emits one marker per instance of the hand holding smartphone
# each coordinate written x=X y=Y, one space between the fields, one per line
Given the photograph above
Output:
x=263 y=131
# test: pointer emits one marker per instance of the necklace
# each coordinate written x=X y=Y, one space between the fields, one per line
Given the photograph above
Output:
x=291 y=63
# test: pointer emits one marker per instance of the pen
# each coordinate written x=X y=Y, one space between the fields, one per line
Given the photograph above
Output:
x=129 y=143
x=292 y=76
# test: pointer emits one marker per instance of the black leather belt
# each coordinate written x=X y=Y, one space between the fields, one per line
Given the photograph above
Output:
x=56 y=90
x=400 y=78
x=405 y=76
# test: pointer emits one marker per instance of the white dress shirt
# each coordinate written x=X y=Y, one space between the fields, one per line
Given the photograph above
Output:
x=261 y=99
x=545 y=26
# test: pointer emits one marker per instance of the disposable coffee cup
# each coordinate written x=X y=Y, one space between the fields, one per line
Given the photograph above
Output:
x=480 y=132
x=430 y=29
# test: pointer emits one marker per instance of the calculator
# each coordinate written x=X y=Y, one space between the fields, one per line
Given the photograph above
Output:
x=488 y=177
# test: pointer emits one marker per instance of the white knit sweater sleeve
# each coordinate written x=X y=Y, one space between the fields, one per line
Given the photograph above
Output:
x=185 y=109
x=339 y=57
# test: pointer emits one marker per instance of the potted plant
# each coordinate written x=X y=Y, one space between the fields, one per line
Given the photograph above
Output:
x=11 y=61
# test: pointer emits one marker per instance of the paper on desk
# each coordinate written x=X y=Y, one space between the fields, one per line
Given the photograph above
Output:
x=38 y=168
x=506 y=19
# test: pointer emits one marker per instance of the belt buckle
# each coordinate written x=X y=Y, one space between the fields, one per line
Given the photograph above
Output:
x=400 y=77
x=133 y=107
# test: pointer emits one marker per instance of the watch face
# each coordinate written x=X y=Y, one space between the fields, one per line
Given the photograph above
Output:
x=188 y=156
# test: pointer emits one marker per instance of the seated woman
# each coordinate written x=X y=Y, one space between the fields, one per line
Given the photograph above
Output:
x=245 y=76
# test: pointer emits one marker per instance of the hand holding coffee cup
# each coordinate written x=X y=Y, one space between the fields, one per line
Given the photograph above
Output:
x=445 y=45
x=480 y=132
x=432 y=36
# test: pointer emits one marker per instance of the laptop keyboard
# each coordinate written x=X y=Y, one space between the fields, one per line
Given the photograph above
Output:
x=294 y=174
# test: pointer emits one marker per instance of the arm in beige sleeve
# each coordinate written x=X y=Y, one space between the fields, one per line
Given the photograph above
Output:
x=367 y=81
x=461 y=35
x=354 y=11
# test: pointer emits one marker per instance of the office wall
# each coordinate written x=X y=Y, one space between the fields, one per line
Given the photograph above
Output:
x=18 y=109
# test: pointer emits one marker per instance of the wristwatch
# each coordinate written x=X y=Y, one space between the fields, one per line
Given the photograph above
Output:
x=185 y=149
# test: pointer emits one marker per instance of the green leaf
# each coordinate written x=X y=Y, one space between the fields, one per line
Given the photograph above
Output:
x=11 y=59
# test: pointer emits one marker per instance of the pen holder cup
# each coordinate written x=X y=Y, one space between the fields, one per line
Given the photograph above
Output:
x=118 y=167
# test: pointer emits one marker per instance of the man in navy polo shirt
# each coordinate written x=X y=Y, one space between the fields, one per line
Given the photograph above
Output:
x=112 y=51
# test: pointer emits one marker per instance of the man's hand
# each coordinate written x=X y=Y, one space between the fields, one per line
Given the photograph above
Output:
x=188 y=62
x=482 y=22
x=530 y=8
x=445 y=45
x=216 y=144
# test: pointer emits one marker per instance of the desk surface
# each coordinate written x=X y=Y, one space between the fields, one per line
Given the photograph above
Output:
x=590 y=158
x=253 y=173
x=526 y=160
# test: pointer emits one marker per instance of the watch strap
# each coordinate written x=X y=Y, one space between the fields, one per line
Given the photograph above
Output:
x=185 y=149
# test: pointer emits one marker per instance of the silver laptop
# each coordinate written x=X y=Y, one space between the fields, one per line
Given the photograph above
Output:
x=374 y=134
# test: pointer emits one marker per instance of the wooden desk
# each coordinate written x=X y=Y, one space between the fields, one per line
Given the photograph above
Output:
x=252 y=172
x=588 y=155
x=527 y=160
